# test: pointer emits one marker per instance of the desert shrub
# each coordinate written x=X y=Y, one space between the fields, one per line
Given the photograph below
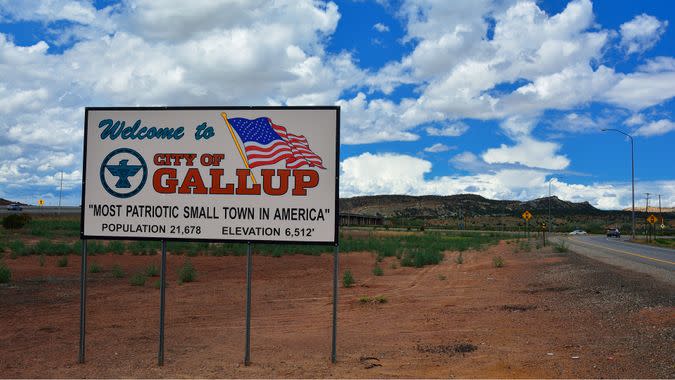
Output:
x=41 y=260
x=498 y=261
x=117 y=271
x=376 y=299
x=95 y=268
x=187 y=273
x=18 y=248
x=377 y=271
x=157 y=284
x=459 y=259
x=62 y=262
x=143 y=247
x=420 y=257
x=524 y=245
x=15 y=221
x=96 y=247
x=151 y=271
x=39 y=230
x=5 y=274
x=116 y=247
x=49 y=227
x=442 y=277
x=560 y=247
x=138 y=279
x=347 y=279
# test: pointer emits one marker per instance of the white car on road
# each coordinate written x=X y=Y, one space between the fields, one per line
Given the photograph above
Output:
x=578 y=232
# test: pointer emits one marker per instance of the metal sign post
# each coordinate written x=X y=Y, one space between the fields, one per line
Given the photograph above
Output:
x=249 y=265
x=650 y=229
x=83 y=300
x=162 y=301
x=336 y=271
x=527 y=216
x=543 y=233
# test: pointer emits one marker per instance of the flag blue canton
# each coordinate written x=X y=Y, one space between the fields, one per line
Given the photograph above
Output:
x=258 y=130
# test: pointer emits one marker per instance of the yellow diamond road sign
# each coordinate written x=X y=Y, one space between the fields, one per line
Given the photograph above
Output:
x=527 y=215
x=41 y=202
x=651 y=219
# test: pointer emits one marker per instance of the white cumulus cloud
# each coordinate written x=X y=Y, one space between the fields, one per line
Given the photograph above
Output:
x=655 y=128
x=641 y=33
x=382 y=28
x=437 y=148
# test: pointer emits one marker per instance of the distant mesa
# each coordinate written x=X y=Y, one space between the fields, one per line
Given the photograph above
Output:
x=652 y=209
x=449 y=206
x=5 y=202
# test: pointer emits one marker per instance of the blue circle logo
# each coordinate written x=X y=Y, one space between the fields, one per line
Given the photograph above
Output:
x=120 y=173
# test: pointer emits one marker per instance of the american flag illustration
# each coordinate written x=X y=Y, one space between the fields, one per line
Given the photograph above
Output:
x=266 y=143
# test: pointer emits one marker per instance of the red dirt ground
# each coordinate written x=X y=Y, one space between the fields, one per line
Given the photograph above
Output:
x=542 y=315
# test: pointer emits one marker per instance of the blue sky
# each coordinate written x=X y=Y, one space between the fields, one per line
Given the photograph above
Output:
x=497 y=98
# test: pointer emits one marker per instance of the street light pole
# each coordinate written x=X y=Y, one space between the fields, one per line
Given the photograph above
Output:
x=632 y=174
x=549 y=205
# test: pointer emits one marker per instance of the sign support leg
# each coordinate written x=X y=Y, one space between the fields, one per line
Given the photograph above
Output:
x=83 y=300
x=162 y=300
x=249 y=264
x=336 y=271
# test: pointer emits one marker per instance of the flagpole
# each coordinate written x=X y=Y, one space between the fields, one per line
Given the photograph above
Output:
x=236 y=142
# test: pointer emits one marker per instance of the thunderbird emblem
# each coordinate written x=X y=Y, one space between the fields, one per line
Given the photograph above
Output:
x=116 y=170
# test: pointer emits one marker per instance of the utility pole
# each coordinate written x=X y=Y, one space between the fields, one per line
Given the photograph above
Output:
x=660 y=214
x=647 y=212
x=60 y=191
x=632 y=175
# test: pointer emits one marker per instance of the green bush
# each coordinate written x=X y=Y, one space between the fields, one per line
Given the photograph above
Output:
x=41 y=260
x=18 y=248
x=15 y=221
x=187 y=273
x=95 y=268
x=347 y=279
x=5 y=274
x=498 y=261
x=151 y=270
x=117 y=271
x=376 y=299
x=138 y=279
x=62 y=262
x=560 y=247
x=116 y=247
x=420 y=257
x=459 y=259
x=377 y=271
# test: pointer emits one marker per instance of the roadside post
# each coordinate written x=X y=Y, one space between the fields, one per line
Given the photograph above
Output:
x=162 y=303
x=651 y=219
x=543 y=233
x=248 y=175
x=249 y=264
x=83 y=300
x=527 y=216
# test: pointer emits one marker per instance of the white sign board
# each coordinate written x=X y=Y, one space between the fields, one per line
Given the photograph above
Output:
x=206 y=173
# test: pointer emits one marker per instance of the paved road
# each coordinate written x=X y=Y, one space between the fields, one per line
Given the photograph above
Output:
x=657 y=261
x=49 y=210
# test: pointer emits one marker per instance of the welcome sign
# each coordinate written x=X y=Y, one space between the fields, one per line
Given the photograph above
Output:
x=204 y=173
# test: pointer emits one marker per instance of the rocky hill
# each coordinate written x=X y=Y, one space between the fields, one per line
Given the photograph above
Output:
x=434 y=206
